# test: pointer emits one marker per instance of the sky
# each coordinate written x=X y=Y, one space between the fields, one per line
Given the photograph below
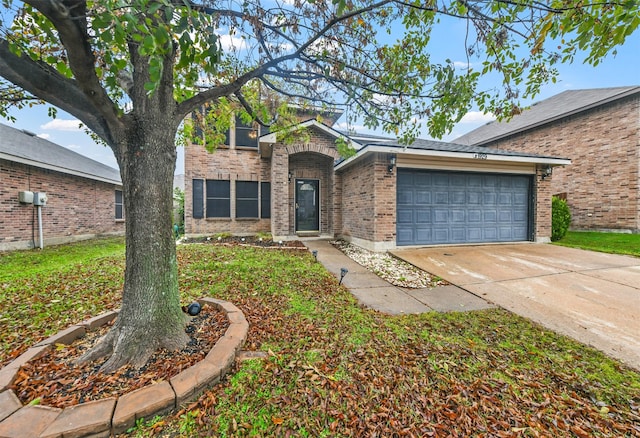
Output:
x=614 y=71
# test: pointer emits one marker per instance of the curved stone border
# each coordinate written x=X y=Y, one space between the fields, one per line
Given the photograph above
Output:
x=101 y=418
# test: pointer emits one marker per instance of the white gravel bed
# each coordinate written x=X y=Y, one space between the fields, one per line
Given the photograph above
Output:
x=388 y=267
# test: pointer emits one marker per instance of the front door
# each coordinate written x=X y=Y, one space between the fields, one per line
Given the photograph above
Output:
x=307 y=205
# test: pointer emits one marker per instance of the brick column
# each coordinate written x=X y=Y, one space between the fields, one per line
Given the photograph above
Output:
x=279 y=193
x=542 y=210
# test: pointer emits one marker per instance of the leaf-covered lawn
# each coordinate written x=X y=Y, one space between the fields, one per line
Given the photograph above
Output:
x=335 y=369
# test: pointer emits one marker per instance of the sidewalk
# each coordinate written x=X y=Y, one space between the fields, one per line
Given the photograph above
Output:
x=375 y=293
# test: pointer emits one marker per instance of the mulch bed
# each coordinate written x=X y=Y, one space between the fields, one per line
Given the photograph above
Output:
x=55 y=380
x=246 y=241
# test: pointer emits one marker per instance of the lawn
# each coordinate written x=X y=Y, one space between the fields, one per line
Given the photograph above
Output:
x=334 y=368
x=615 y=243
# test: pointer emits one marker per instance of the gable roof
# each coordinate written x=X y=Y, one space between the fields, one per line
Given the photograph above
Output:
x=432 y=148
x=24 y=147
x=546 y=111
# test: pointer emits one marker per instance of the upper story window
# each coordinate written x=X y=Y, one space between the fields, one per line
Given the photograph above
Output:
x=246 y=134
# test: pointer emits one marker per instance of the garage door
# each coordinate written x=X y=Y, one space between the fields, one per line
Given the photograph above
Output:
x=435 y=207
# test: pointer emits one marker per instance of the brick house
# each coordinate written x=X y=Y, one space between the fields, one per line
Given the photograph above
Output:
x=599 y=130
x=84 y=197
x=385 y=196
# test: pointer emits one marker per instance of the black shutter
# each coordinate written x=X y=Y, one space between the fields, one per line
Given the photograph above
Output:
x=265 y=200
x=198 y=199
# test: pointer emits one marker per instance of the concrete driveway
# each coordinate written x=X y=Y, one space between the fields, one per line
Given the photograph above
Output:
x=589 y=296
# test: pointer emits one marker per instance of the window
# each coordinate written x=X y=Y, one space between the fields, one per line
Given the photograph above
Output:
x=265 y=200
x=246 y=199
x=198 y=198
x=119 y=205
x=246 y=135
x=218 y=198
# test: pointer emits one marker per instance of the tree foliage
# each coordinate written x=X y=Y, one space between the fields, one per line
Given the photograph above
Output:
x=560 y=218
x=372 y=57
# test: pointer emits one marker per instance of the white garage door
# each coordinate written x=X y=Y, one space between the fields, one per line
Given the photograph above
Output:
x=435 y=207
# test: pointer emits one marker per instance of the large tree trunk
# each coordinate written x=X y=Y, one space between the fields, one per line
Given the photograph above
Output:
x=151 y=316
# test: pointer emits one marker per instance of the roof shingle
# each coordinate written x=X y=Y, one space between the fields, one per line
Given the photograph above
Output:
x=24 y=147
x=556 y=107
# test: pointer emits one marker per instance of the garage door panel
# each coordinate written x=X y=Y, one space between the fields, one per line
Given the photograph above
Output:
x=440 y=180
x=458 y=216
x=520 y=199
x=440 y=216
x=474 y=215
x=459 y=235
x=422 y=180
x=441 y=198
x=423 y=197
x=458 y=197
x=441 y=235
x=405 y=236
x=405 y=198
x=504 y=199
x=490 y=216
x=424 y=234
x=405 y=216
x=504 y=216
x=423 y=216
x=438 y=207
x=474 y=197
x=474 y=234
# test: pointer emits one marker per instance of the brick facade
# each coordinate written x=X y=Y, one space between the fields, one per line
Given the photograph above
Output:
x=357 y=201
x=243 y=164
x=77 y=208
x=312 y=159
x=602 y=184
x=368 y=193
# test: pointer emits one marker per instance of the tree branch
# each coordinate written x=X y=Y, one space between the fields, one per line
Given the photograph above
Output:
x=44 y=82
x=69 y=19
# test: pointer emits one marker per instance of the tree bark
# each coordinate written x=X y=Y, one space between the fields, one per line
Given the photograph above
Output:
x=151 y=315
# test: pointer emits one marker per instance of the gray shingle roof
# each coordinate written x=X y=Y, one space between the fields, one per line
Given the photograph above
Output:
x=20 y=146
x=433 y=145
x=556 y=107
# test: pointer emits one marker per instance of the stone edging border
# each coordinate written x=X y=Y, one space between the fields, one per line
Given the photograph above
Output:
x=102 y=418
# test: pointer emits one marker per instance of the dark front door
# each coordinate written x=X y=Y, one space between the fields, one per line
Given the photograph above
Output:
x=307 y=205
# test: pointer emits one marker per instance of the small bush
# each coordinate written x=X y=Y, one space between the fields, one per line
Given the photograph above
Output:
x=560 y=218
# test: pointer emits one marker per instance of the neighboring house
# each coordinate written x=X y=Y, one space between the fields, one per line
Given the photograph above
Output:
x=385 y=196
x=599 y=130
x=84 y=197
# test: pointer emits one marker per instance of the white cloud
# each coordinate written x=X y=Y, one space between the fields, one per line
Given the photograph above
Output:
x=230 y=42
x=45 y=136
x=476 y=117
x=62 y=125
x=73 y=147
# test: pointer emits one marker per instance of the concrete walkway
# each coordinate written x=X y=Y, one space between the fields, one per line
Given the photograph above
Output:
x=590 y=296
x=376 y=293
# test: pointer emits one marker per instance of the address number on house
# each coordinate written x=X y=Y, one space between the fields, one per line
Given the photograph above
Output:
x=480 y=156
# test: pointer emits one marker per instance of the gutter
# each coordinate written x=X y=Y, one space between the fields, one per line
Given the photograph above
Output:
x=488 y=156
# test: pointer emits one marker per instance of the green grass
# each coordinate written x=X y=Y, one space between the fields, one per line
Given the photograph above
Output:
x=614 y=243
x=334 y=368
x=25 y=264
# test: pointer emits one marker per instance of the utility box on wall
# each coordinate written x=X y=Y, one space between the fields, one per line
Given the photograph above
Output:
x=25 y=197
x=39 y=198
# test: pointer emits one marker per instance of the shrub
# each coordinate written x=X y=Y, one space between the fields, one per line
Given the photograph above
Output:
x=560 y=218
